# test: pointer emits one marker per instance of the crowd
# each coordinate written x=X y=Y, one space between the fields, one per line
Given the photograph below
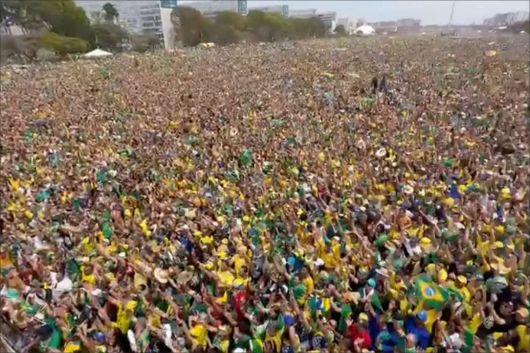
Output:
x=360 y=195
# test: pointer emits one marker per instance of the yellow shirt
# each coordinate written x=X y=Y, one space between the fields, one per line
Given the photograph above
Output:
x=466 y=293
x=90 y=279
x=524 y=338
x=476 y=321
x=276 y=340
x=240 y=281
x=199 y=335
x=239 y=262
x=123 y=320
x=226 y=278
x=310 y=285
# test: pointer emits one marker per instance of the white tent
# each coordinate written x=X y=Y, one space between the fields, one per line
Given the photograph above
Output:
x=364 y=30
x=97 y=53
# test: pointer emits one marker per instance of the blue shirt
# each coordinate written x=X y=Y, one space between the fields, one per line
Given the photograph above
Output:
x=388 y=344
x=421 y=333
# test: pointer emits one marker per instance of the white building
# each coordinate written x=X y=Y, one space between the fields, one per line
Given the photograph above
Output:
x=364 y=30
x=305 y=13
x=281 y=9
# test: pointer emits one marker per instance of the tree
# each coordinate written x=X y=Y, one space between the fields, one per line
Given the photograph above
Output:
x=268 y=27
x=62 y=45
x=228 y=28
x=110 y=13
x=231 y=19
x=60 y=16
x=109 y=36
x=194 y=27
x=142 y=42
x=340 y=30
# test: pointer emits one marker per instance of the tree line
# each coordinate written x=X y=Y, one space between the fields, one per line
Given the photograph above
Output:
x=227 y=27
x=63 y=28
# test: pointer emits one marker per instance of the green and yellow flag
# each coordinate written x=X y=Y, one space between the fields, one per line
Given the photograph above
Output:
x=431 y=294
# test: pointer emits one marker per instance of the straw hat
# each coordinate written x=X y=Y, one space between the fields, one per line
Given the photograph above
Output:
x=161 y=275
x=184 y=277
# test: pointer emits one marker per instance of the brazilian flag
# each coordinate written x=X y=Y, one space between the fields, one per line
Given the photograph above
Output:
x=431 y=294
x=256 y=346
x=455 y=294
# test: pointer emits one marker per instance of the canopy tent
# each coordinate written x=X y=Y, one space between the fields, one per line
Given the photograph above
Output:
x=97 y=53
x=364 y=30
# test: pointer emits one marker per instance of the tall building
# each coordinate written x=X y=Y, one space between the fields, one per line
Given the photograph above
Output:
x=281 y=9
x=151 y=20
x=168 y=27
x=215 y=6
x=140 y=16
x=329 y=19
x=305 y=13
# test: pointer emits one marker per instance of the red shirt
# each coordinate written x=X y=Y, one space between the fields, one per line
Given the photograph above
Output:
x=239 y=298
x=357 y=333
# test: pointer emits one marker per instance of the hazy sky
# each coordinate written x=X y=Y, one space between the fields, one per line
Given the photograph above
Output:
x=430 y=12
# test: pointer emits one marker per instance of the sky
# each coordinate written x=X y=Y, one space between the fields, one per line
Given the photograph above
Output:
x=429 y=12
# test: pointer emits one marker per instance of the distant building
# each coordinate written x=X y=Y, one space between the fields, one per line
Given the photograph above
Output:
x=408 y=22
x=281 y=9
x=345 y=22
x=384 y=26
x=168 y=26
x=150 y=20
x=506 y=19
x=141 y=16
x=364 y=30
x=216 y=6
x=153 y=17
x=405 y=24
x=329 y=19
x=305 y=13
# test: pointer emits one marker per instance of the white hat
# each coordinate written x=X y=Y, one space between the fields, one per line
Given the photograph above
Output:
x=161 y=275
x=319 y=262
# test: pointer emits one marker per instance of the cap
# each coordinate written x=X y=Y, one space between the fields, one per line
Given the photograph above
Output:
x=363 y=317
x=461 y=279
